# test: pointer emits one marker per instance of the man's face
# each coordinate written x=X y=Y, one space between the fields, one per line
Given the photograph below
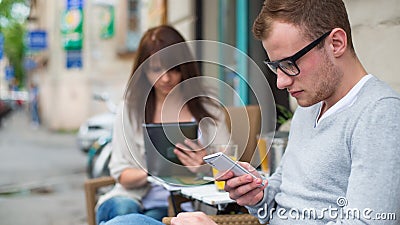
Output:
x=318 y=78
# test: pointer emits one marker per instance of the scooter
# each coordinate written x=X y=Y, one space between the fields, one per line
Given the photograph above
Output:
x=97 y=126
x=99 y=156
x=97 y=133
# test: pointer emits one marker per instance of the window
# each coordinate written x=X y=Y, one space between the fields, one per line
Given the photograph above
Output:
x=136 y=17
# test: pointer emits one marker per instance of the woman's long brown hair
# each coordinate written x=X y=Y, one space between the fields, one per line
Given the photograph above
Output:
x=154 y=40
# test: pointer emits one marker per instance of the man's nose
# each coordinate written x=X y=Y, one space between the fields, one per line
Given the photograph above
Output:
x=283 y=80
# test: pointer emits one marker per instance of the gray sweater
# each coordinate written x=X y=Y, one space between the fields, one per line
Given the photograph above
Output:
x=346 y=170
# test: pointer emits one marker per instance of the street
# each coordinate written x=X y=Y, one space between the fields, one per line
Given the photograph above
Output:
x=41 y=175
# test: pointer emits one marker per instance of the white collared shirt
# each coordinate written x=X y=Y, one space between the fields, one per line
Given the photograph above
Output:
x=347 y=101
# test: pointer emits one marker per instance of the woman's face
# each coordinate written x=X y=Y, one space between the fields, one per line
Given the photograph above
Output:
x=162 y=81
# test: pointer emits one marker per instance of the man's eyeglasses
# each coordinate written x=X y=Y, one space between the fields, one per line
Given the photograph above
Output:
x=288 y=65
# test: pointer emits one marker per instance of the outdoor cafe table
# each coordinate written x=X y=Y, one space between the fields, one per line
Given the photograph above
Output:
x=206 y=193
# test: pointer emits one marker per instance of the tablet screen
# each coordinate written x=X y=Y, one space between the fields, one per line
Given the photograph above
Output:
x=162 y=137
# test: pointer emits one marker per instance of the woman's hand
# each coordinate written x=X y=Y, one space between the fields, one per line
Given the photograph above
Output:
x=245 y=189
x=190 y=154
x=194 y=218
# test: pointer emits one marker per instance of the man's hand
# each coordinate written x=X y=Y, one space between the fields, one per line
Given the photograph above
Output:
x=192 y=218
x=245 y=190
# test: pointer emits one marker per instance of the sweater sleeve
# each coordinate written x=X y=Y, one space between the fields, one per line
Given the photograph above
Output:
x=373 y=186
x=124 y=154
x=264 y=208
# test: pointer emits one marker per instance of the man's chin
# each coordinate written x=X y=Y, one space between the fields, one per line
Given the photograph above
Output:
x=303 y=103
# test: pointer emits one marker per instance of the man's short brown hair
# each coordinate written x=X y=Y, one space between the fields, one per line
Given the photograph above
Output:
x=312 y=17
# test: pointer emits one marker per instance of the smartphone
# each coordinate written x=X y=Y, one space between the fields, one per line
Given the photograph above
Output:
x=222 y=162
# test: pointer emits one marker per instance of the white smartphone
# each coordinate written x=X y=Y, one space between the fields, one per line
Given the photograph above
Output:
x=222 y=162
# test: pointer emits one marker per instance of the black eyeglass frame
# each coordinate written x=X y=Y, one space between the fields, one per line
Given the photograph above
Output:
x=274 y=65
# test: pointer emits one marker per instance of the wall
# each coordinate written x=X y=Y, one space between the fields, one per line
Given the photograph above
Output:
x=376 y=35
x=66 y=94
x=181 y=16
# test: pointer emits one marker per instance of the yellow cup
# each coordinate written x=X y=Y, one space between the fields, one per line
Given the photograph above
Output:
x=220 y=185
x=262 y=150
x=229 y=150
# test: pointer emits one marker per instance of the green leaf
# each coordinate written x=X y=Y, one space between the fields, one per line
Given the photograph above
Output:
x=14 y=32
x=284 y=114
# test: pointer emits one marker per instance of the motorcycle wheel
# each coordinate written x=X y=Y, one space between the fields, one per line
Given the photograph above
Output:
x=98 y=158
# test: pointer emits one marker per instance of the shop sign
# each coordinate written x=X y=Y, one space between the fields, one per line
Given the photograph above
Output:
x=74 y=4
x=107 y=22
x=10 y=74
x=74 y=59
x=72 y=29
x=36 y=40
x=1 y=45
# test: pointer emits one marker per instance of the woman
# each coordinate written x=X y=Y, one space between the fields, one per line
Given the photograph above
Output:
x=159 y=91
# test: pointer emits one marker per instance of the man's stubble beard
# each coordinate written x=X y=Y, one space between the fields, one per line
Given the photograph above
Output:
x=329 y=77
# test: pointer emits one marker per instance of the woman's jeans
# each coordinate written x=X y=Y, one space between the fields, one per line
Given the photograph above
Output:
x=118 y=206
x=133 y=219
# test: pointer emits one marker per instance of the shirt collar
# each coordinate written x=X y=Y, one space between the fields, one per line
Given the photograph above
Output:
x=344 y=103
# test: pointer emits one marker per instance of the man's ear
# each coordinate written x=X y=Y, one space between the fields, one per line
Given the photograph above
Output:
x=338 y=42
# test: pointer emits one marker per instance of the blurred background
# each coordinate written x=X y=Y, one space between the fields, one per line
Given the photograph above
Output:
x=58 y=57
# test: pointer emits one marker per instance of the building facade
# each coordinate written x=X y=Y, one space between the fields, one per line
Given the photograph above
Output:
x=66 y=93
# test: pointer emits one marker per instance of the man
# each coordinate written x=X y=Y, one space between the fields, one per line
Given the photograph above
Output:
x=342 y=162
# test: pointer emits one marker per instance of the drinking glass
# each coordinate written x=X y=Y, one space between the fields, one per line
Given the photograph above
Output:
x=230 y=150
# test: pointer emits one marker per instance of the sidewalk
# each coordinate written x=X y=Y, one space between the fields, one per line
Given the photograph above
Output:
x=41 y=175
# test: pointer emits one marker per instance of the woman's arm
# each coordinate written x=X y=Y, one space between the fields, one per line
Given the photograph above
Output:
x=124 y=164
x=133 y=178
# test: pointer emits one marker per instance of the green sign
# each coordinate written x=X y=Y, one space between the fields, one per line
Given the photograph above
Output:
x=107 y=22
x=72 y=29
